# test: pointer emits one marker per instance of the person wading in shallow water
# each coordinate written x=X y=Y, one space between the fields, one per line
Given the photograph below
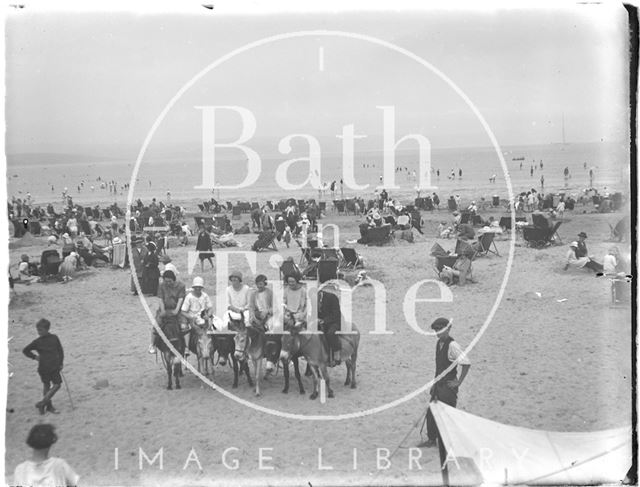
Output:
x=446 y=389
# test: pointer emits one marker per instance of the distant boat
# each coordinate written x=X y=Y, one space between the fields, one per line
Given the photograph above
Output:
x=518 y=159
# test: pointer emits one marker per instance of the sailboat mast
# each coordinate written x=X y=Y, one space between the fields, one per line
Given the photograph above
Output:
x=563 y=139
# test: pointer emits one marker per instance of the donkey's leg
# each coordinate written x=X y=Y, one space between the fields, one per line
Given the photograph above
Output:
x=177 y=373
x=325 y=375
x=245 y=366
x=285 y=371
x=235 y=372
x=296 y=370
x=257 y=366
x=169 y=367
x=354 y=359
x=348 y=379
x=316 y=382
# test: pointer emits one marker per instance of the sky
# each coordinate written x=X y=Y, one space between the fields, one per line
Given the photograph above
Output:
x=96 y=82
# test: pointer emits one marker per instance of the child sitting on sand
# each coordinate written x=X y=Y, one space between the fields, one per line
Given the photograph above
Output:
x=28 y=272
x=444 y=231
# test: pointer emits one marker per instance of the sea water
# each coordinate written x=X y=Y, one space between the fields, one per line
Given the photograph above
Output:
x=45 y=176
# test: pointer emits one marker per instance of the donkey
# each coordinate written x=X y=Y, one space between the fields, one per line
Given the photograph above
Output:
x=272 y=354
x=224 y=346
x=173 y=364
x=313 y=349
x=250 y=343
x=203 y=352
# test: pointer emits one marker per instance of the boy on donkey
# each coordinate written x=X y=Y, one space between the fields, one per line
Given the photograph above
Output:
x=50 y=357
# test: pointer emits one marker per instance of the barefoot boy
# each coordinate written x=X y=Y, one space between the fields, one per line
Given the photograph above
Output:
x=50 y=357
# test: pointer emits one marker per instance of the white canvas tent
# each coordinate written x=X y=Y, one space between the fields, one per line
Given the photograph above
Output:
x=482 y=451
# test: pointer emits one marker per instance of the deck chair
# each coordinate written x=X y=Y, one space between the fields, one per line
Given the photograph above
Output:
x=484 y=244
x=327 y=270
x=350 y=258
x=305 y=256
x=107 y=213
x=201 y=206
x=49 y=263
x=288 y=268
x=379 y=235
x=339 y=206
x=464 y=217
x=329 y=254
x=236 y=213
x=266 y=240
x=540 y=221
x=554 y=235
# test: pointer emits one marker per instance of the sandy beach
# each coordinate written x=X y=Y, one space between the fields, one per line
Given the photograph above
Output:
x=582 y=383
x=250 y=103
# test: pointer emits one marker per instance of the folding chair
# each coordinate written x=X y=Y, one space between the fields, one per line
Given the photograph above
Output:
x=554 y=235
x=327 y=270
x=540 y=221
x=329 y=254
x=49 y=263
x=266 y=240
x=379 y=235
x=305 y=256
x=350 y=258
x=236 y=213
x=484 y=243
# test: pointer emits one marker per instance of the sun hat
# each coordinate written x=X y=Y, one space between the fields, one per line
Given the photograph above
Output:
x=440 y=323
x=582 y=234
x=573 y=244
x=198 y=282
x=261 y=278
x=237 y=274
x=166 y=259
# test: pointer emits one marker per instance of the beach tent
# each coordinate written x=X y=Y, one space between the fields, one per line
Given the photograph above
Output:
x=483 y=451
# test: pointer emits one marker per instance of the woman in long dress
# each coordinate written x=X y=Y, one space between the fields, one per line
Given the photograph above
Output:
x=205 y=247
x=150 y=271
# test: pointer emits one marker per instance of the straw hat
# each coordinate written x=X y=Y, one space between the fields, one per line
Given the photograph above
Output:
x=573 y=244
x=237 y=274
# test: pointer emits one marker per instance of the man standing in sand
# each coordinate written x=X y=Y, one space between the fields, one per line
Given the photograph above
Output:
x=448 y=351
